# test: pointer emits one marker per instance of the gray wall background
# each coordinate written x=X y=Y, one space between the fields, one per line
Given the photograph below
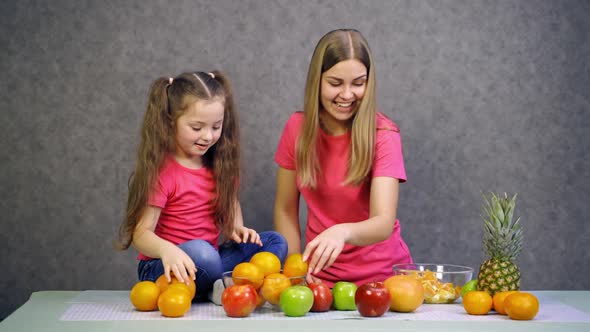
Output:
x=489 y=95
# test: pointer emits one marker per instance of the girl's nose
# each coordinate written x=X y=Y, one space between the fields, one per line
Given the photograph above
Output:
x=208 y=135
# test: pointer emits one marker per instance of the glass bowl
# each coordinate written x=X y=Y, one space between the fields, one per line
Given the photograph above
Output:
x=442 y=282
x=269 y=288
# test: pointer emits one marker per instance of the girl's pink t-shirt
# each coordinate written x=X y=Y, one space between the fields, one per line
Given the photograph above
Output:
x=185 y=196
x=332 y=203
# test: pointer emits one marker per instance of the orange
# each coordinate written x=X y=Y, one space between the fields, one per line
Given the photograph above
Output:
x=295 y=266
x=498 y=300
x=144 y=296
x=521 y=306
x=407 y=294
x=477 y=302
x=273 y=286
x=163 y=284
x=248 y=273
x=267 y=261
x=174 y=302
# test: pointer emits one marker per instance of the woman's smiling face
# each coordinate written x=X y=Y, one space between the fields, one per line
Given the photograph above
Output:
x=342 y=89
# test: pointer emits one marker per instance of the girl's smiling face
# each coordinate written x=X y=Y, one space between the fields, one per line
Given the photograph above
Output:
x=342 y=88
x=197 y=130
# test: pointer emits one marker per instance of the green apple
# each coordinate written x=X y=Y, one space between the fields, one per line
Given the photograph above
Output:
x=469 y=286
x=343 y=293
x=296 y=301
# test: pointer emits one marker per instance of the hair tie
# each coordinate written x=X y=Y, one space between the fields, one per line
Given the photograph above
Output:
x=212 y=75
x=170 y=80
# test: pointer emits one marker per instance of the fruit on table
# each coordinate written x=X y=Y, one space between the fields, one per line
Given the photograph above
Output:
x=498 y=301
x=296 y=301
x=502 y=242
x=477 y=302
x=521 y=306
x=469 y=286
x=239 y=300
x=322 y=296
x=407 y=293
x=273 y=285
x=248 y=273
x=174 y=302
x=294 y=267
x=144 y=296
x=343 y=293
x=435 y=291
x=163 y=284
x=266 y=261
x=372 y=299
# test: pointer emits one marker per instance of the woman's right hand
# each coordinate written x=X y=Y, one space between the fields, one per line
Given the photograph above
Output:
x=175 y=260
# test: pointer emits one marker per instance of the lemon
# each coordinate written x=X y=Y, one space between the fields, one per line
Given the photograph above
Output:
x=469 y=286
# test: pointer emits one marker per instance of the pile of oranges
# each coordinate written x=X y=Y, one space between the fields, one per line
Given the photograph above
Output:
x=263 y=272
x=172 y=299
x=517 y=305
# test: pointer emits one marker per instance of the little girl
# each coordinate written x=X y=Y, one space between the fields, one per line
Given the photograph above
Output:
x=184 y=192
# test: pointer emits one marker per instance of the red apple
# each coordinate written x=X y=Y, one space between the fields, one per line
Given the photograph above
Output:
x=322 y=296
x=372 y=299
x=239 y=300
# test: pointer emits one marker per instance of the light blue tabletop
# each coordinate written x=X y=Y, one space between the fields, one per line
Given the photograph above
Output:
x=43 y=310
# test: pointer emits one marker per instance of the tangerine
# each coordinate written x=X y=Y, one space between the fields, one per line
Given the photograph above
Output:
x=273 y=286
x=521 y=306
x=407 y=294
x=295 y=266
x=268 y=262
x=163 y=284
x=144 y=296
x=498 y=300
x=174 y=302
x=477 y=302
x=248 y=273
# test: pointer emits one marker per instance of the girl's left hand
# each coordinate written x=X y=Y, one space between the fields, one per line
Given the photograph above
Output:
x=244 y=235
x=325 y=248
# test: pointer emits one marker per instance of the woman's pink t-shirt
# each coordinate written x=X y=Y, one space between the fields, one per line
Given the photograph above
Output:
x=332 y=203
x=185 y=197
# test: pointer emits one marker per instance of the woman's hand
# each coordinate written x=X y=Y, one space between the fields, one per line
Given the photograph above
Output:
x=243 y=234
x=325 y=248
x=175 y=260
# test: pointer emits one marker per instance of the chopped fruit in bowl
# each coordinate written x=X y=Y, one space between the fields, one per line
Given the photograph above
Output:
x=442 y=282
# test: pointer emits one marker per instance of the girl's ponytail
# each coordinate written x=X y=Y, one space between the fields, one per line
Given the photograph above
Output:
x=226 y=161
x=156 y=141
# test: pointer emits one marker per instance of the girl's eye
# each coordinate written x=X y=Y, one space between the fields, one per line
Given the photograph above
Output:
x=216 y=128
x=196 y=129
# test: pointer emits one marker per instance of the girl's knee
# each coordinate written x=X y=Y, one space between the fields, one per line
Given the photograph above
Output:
x=274 y=242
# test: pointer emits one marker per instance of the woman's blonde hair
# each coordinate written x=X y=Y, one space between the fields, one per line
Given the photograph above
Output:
x=334 y=47
x=168 y=99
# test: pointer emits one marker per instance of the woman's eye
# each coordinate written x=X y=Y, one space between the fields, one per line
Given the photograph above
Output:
x=334 y=84
x=359 y=84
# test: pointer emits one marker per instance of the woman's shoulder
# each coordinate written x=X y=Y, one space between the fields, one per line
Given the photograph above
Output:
x=295 y=121
x=385 y=123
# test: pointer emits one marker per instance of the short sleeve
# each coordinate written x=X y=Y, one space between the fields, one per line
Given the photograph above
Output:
x=162 y=189
x=389 y=160
x=285 y=154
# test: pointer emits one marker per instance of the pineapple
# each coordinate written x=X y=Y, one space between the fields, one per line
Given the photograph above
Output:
x=502 y=242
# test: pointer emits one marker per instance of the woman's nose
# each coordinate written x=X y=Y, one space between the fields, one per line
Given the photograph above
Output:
x=346 y=93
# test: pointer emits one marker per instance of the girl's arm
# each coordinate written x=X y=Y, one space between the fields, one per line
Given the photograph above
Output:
x=148 y=243
x=286 y=210
x=241 y=233
x=326 y=247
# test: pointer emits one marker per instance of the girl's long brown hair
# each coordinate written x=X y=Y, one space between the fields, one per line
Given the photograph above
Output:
x=168 y=100
x=336 y=46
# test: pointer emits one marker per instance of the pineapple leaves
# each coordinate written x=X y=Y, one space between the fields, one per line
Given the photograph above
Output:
x=502 y=235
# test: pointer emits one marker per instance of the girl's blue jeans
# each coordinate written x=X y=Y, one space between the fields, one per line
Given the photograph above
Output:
x=211 y=263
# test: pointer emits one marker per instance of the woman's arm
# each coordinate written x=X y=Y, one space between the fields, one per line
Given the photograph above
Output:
x=148 y=243
x=286 y=210
x=326 y=247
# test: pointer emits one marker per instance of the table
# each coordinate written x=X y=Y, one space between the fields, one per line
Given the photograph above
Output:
x=43 y=310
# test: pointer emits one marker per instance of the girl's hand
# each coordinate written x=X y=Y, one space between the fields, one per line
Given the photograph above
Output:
x=325 y=248
x=175 y=260
x=312 y=279
x=243 y=234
